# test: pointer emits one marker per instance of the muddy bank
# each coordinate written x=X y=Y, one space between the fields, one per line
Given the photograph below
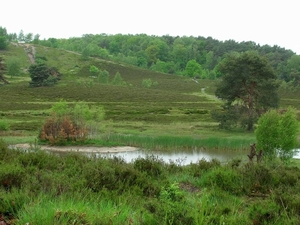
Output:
x=87 y=149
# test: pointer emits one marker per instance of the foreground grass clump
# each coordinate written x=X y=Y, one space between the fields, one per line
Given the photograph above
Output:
x=37 y=187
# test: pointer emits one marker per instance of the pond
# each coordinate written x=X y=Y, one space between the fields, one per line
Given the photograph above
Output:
x=297 y=156
x=185 y=157
x=179 y=157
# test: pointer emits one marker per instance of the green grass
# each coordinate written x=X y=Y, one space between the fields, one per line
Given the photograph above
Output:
x=75 y=210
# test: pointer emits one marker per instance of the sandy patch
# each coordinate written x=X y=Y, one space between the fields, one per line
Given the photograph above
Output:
x=80 y=148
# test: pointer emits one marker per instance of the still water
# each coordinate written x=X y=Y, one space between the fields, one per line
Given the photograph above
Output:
x=179 y=157
x=185 y=157
x=297 y=156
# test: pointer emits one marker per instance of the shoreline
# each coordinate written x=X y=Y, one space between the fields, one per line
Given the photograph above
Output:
x=84 y=149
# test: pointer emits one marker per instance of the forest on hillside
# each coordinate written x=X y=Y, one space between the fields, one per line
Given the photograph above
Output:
x=187 y=56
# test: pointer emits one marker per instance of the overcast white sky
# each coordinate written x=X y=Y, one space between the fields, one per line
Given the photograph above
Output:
x=262 y=21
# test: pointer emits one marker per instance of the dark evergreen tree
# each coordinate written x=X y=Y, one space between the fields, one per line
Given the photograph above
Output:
x=249 y=82
x=41 y=75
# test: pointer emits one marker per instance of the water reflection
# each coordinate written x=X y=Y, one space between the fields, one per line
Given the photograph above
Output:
x=297 y=155
x=180 y=157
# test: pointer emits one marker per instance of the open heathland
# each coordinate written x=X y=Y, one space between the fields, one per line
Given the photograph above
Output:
x=176 y=106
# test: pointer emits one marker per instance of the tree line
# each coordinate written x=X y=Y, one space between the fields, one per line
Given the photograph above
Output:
x=186 y=56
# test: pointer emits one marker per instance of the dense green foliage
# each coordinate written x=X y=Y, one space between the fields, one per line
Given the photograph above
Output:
x=248 y=85
x=118 y=80
x=193 y=69
x=37 y=187
x=148 y=83
x=14 y=67
x=170 y=54
x=3 y=38
x=277 y=134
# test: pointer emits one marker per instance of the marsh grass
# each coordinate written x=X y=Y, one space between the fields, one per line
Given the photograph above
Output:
x=163 y=142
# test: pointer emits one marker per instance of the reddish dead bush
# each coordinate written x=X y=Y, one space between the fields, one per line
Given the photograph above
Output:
x=59 y=131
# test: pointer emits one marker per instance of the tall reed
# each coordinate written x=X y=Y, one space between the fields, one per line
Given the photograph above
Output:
x=178 y=142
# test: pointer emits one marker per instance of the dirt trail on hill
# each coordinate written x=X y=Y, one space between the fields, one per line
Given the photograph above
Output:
x=83 y=149
x=29 y=49
x=209 y=96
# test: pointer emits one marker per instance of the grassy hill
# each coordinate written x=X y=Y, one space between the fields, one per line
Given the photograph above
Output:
x=176 y=106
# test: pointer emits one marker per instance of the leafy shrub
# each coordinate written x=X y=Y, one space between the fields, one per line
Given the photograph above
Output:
x=226 y=179
x=277 y=134
x=11 y=175
x=99 y=175
x=287 y=176
x=257 y=178
x=171 y=193
x=147 y=83
x=39 y=159
x=227 y=117
x=14 y=67
x=7 y=154
x=12 y=202
x=103 y=77
x=152 y=165
x=172 y=208
x=203 y=165
x=40 y=59
x=55 y=183
x=118 y=80
x=4 y=125
x=94 y=69
x=3 y=147
x=264 y=212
